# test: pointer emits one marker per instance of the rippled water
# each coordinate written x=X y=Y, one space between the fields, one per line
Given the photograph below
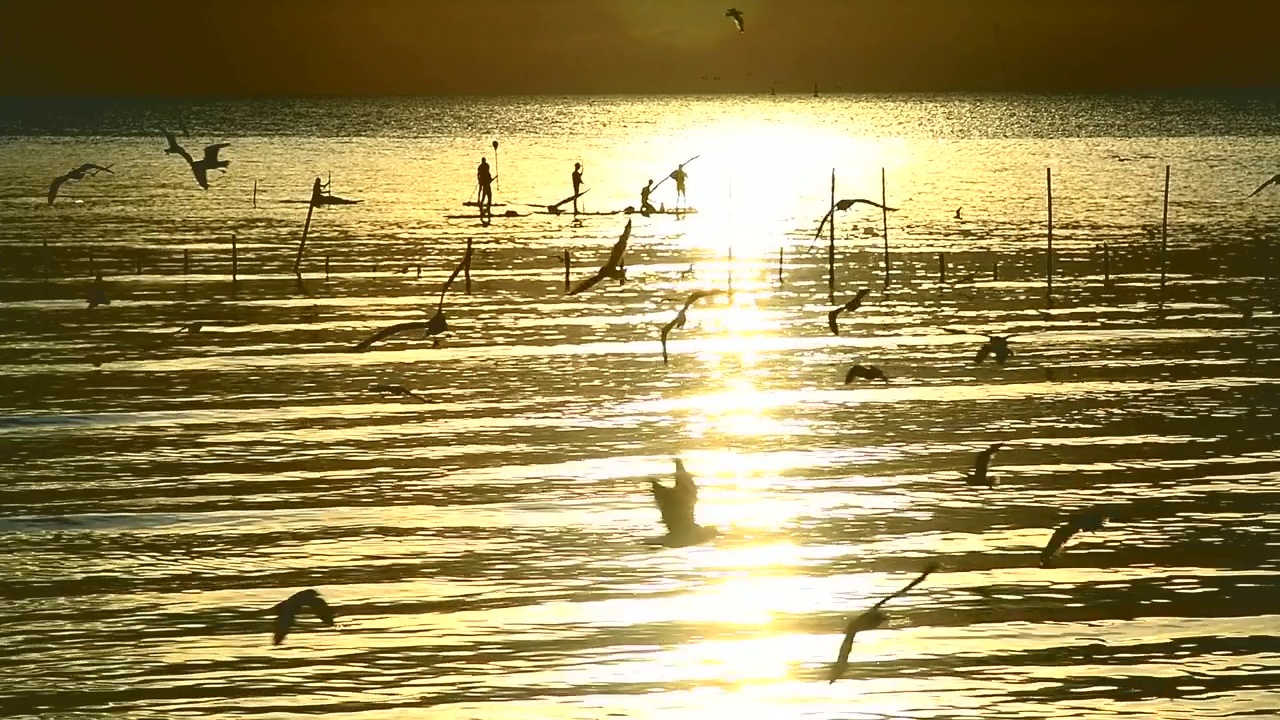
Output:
x=484 y=552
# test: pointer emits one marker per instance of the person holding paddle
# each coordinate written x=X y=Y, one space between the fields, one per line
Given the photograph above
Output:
x=646 y=207
x=679 y=176
x=486 y=185
x=577 y=185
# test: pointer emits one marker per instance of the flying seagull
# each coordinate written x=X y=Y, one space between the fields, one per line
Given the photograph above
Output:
x=174 y=148
x=200 y=168
x=864 y=372
x=80 y=173
x=289 y=609
x=736 y=14
x=958 y=212
x=681 y=317
x=996 y=345
x=843 y=205
x=869 y=620
x=1085 y=521
x=850 y=306
x=1273 y=180
x=979 y=476
x=400 y=390
x=613 y=267
x=437 y=325
x=676 y=503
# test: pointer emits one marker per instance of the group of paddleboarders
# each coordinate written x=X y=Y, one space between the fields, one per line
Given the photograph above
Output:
x=485 y=178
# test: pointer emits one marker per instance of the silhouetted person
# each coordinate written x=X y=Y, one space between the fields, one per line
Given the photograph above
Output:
x=577 y=185
x=485 y=178
x=645 y=206
x=680 y=176
x=98 y=293
x=318 y=192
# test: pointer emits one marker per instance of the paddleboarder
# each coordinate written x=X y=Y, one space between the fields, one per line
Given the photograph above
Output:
x=645 y=206
x=577 y=185
x=680 y=176
x=485 y=178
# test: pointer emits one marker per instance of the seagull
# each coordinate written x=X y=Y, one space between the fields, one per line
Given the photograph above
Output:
x=687 y=273
x=98 y=293
x=864 y=372
x=958 y=212
x=613 y=267
x=190 y=328
x=80 y=173
x=869 y=620
x=397 y=390
x=843 y=205
x=1273 y=180
x=1086 y=521
x=853 y=304
x=736 y=14
x=200 y=168
x=174 y=148
x=289 y=609
x=979 y=476
x=437 y=325
x=676 y=504
x=679 y=320
x=997 y=345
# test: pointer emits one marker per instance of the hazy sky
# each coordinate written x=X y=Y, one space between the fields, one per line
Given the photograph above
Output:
x=369 y=47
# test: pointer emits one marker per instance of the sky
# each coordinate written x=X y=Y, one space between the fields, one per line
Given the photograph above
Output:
x=494 y=47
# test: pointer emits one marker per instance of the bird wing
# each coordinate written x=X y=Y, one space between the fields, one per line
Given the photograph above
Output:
x=954 y=331
x=983 y=352
x=175 y=148
x=666 y=329
x=823 y=223
x=1270 y=181
x=587 y=284
x=317 y=605
x=391 y=331
x=201 y=173
x=852 y=374
x=928 y=570
x=91 y=167
x=856 y=301
x=284 y=620
x=619 y=248
x=872 y=203
x=53 y=187
x=462 y=265
x=675 y=507
x=842 y=660
x=984 y=460
x=211 y=152
x=869 y=620
x=831 y=320
x=1059 y=538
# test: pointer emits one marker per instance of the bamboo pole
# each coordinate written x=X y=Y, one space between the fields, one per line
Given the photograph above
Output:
x=884 y=216
x=235 y=259
x=326 y=267
x=831 y=242
x=779 y=267
x=1164 y=236
x=995 y=271
x=466 y=267
x=186 y=261
x=1048 y=288
x=255 y=193
x=567 y=263
x=306 y=228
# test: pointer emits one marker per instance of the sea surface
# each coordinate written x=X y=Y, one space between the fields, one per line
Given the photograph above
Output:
x=485 y=551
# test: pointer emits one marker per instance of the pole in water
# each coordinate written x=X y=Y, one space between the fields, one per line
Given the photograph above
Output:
x=466 y=267
x=92 y=270
x=884 y=215
x=186 y=261
x=779 y=267
x=1048 y=288
x=497 y=179
x=1164 y=236
x=1106 y=264
x=235 y=259
x=255 y=193
x=44 y=260
x=566 y=270
x=995 y=270
x=831 y=236
x=942 y=268
x=326 y=267
x=137 y=263
x=306 y=228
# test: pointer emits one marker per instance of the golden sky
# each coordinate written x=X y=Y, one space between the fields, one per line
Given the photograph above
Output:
x=450 y=47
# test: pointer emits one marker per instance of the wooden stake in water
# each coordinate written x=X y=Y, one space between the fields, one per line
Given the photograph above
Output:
x=884 y=215
x=1048 y=288
x=466 y=267
x=942 y=268
x=1164 y=236
x=831 y=242
x=186 y=261
x=306 y=228
x=995 y=270
x=235 y=259
x=44 y=260
x=255 y=193
x=566 y=270
x=779 y=267
x=1106 y=264
x=326 y=267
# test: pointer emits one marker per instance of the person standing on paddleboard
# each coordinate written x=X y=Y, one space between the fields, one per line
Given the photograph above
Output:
x=679 y=176
x=577 y=185
x=486 y=184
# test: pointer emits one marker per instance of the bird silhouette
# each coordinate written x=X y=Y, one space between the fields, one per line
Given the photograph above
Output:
x=190 y=328
x=958 y=213
x=200 y=168
x=80 y=173
x=176 y=149
x=676 y=504
x=996 y=346
x=436 y=326
x=402 y=391
x=736 y=14
x=1273 y=180
x=869 y=620
x=853 y=304
x=864 y=372
x=613 y=268
x=681 y=317
x=981 y=463
x=1084 y=521
x=288 y=610
x=843 y=205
